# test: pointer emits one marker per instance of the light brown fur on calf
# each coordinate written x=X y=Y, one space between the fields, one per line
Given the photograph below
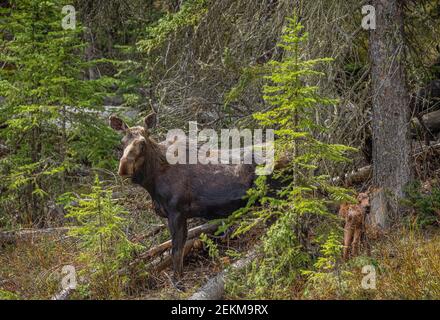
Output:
x=354 y=216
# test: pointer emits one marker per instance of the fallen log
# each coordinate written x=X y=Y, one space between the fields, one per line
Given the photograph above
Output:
x=363 y=174
x=63 y=294
x=354 y=177
x=431 y=121
x=206 y=228
x=425 y=149
x=214 y=289
x=168 y=260
x=192 y=233
x=155 y=230
x=11 y=237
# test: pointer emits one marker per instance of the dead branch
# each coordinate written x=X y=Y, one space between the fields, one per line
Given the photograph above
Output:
x=63 y=294
x=168 y=260
x=363 y=174
x=11 y=237
x=193 y=233
x=155 y=230
x=354 y=177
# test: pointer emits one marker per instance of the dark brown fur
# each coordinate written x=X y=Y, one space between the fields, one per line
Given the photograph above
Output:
x=181 y=191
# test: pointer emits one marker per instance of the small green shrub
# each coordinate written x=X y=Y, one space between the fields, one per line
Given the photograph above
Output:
x=424 y=203
x=298 y=210
x=326 y=272
x=213 y=250
x=105 y=246
x=7 y=295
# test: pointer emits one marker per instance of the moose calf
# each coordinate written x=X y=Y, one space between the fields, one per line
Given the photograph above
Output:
x=354 y=216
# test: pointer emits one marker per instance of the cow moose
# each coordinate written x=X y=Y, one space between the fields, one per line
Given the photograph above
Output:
x=180 y=191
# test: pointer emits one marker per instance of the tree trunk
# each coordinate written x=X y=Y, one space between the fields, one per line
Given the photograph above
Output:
x=391 y=114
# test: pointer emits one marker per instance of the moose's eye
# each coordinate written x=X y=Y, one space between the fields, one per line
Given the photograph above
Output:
x=125 y=139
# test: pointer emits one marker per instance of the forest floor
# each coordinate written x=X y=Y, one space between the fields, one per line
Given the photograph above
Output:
x=32 y=268
x=407 y=268
x=407 y=262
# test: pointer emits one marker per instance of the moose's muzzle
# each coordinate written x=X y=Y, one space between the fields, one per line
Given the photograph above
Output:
x=125 y=168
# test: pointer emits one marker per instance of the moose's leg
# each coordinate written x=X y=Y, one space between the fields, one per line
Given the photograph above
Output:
x=179 y=231
x=348 y=238
x=356 y=241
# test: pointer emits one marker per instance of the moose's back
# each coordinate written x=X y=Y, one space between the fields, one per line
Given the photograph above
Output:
x=207 y=191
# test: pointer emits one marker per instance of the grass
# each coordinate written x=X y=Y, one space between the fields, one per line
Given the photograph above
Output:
x=407 y=264
x=32 y=270
x=406 y=261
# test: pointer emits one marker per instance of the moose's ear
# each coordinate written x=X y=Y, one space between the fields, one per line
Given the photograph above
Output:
x=363 y=199
x=117 y=124
x=150 y=121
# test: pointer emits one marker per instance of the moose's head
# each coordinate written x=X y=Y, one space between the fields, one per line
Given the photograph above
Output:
x=364 y=200
x=135 y=143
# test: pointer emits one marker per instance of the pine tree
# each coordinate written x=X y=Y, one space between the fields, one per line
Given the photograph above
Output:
x=100 y=226
x=50 y=108
x=301 y=205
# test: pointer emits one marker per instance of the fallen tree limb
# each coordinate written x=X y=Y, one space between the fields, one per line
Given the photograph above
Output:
x=206 y=228
x=155 y=230
x=425 y=149
x=364 y=173
x=214 y=289
x=354 y=177
x=10 y=237
x=168 y=260
x=192 y=233
x=63 y=294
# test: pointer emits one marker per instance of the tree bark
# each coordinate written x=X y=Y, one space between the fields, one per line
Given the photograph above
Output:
x=391 y=114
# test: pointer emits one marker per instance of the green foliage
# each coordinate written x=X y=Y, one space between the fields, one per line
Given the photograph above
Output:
x=426 y=204
x=50 y=109
x=302 y=203
x=406 y=266
x=283 y=257
x=248 y=76
x=212 y=247
x=7 y=295
x=189 y=15
x=327 y=269
x=104 y=243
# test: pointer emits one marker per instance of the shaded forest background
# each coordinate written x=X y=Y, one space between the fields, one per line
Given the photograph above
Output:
x=204 y=61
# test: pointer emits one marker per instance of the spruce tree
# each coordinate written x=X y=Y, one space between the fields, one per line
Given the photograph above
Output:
x=301 y=207
x=50 y=109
